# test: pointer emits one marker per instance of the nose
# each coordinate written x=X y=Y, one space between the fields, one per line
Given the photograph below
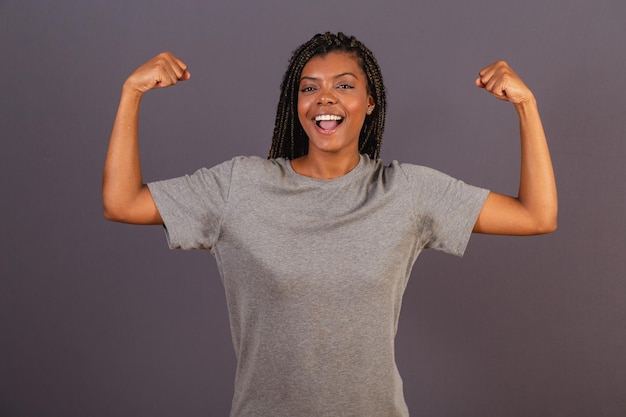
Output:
x=326 y=97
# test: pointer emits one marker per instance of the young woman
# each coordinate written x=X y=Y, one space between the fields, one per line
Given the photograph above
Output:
x=315 y=244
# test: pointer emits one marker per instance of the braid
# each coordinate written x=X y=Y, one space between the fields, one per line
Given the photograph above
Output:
x=289 y=140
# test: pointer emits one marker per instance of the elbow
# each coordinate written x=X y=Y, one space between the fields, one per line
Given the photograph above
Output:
x=107 y=210
x=112 y=211
x=553 y=225
x=546 y=228
x=548 y=224
x=543 y=220
x=108 y=204
x=111 y=214
x=118 y=215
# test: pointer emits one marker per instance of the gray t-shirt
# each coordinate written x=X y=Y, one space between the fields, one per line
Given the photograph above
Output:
x=314 y=272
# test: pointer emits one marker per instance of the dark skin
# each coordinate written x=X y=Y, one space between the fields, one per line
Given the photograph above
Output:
x=334 y=87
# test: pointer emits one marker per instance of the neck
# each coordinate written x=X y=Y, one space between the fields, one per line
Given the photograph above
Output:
x=325 y=165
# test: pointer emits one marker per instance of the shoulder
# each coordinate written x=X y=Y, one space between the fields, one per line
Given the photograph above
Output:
x=424 y=180
x=242 y=164
x=411 y=172
x=249 y=170
x=417 y=171
x=255 y=165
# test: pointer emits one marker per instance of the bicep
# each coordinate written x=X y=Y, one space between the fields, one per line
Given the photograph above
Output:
x=504 y=215
x=141 y=210
x=147 y=211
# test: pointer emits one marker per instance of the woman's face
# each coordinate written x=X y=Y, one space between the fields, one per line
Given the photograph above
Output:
x=333 y=101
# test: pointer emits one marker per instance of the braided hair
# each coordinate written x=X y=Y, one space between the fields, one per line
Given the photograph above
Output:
x=289 y=140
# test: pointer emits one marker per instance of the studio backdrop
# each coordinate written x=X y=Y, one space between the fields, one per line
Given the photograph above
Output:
x=102 y=319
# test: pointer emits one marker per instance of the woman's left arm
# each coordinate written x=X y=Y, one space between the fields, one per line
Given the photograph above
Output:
x=534 y=211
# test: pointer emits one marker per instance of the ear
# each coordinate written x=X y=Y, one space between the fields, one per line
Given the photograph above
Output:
x=370 y=104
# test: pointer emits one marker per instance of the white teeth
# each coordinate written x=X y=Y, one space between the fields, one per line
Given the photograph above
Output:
x=327 y=117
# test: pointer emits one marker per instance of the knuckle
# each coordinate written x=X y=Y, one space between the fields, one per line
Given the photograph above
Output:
x=163 y=57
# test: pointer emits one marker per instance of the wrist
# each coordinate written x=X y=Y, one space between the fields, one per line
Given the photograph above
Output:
x=129 y=91
x=528 y=103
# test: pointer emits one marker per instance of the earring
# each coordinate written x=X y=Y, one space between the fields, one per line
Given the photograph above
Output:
x=369 y=110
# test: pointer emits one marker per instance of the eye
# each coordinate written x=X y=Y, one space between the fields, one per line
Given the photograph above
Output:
x=345 y=86
x=306 y=89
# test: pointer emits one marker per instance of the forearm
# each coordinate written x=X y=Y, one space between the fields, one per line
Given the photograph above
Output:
x=125 y=197
x=534 y=211
x=122 y=180
x=537 y=191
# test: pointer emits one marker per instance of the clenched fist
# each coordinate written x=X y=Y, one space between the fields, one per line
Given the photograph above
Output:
x=502 y=82
x=161 y=71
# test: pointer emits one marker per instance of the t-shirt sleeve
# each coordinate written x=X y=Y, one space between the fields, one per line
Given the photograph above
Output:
x=192 y=206
x=446 y=209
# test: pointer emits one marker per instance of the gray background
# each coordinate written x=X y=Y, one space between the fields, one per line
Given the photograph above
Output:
x=101 y=319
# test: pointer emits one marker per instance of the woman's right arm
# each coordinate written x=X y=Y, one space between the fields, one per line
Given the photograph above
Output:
x=124 y=195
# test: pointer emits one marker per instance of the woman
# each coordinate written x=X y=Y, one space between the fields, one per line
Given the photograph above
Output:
x=315 y=244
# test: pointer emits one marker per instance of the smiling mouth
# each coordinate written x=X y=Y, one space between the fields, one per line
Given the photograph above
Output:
x=328 y=121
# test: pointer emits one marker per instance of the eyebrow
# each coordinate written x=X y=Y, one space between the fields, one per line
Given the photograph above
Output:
x=335 y=77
